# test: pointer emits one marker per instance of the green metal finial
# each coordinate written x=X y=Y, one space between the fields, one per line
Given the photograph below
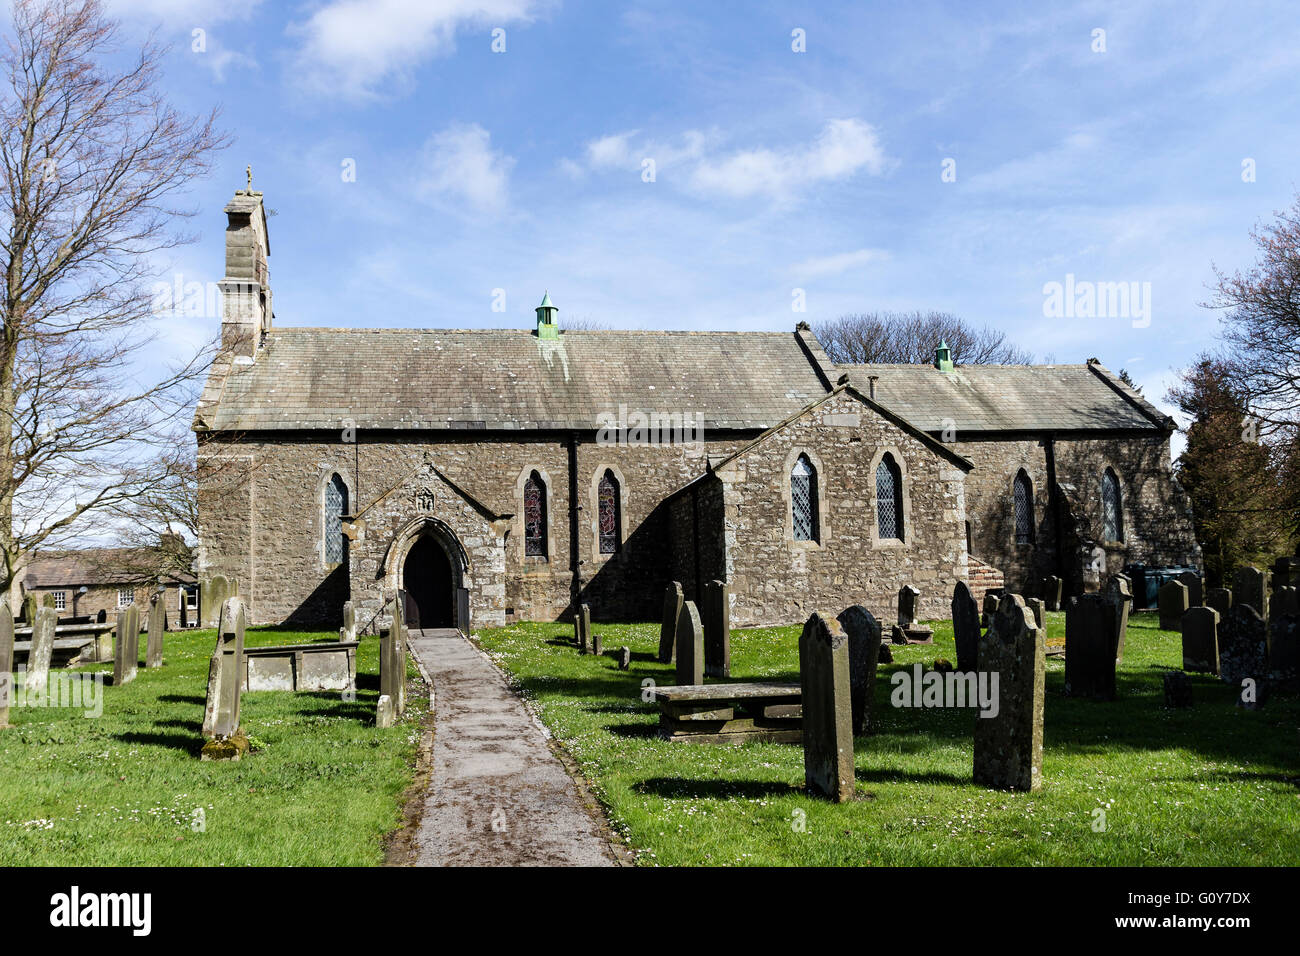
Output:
x=943 y=357
x=546 y=327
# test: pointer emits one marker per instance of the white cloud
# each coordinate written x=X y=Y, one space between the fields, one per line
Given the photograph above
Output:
x=461 y=166
x=832 y=265
x=352 y=47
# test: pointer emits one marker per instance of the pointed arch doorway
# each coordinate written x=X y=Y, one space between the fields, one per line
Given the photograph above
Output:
x=429 y=583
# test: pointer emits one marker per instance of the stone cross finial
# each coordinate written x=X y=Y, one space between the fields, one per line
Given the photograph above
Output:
x=248 y=171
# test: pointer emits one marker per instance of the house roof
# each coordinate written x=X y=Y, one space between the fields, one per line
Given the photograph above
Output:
x=305 y=378
x=91 y=567
x=1010 y=398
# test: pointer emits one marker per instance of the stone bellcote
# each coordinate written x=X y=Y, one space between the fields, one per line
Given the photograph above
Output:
x=246 y=287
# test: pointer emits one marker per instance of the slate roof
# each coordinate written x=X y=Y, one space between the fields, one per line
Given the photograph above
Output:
x=1010 y=398
x=92 y=567
x=306 y=378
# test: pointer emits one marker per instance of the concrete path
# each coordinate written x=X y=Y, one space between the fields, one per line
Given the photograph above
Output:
x=498 y=795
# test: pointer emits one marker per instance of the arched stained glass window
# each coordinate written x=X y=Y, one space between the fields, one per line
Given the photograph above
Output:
x=336 y=506
x=803 y=499
x=608 y=506
x=1024 y=504
x=535 y=516
x=1112 y=507
x=889 y=499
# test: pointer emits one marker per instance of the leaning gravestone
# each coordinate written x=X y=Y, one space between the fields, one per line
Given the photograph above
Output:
x=990 y=609
x=30 y=607
x=965 y=626
x=717 y=630
x=1249 y=587
x=213 y=595
x=1220 y=599
x=126 y=646
x=38 y=658
x=1178 y=689
x=1283 y=649
x=1052 y=592
x=6 y=661
x=624 y=658
x=1090 y=641
x=1172 y=601
x=348 y=632
x=1009 y=746
x=826 y=701
x=1243 y=647
x=1201 y=640
x=1119 y=597
x=225 y=741
x=863 y=632
x=1195 y=588
x=690 y=646
x=668 y=626
x=153 y=649
x=392 y=661
x=1038 y=608
x=907 y=600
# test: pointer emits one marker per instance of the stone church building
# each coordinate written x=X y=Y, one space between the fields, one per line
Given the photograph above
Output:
x=510 y=474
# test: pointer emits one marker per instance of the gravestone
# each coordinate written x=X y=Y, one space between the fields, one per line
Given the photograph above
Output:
x=668 y=626
x=213 y=595
x=225 y=740
x=1009 y=746
x=30 y=607
x=690 y=646
x=1243 y=646
x=1172 y=601
x=624 y=658
x=392 y=657
x=384 y=716
x=1284 y=601
x=863 y=632
x=48 y=601
x=886 y=656
x=989 y=610
x=826 y=700
x=965 y=626
x=1038 y=608
x=907 y=600
x=717 y=629
x=1178 y=689
x=153 y=649
x=584 y=628
x=6 y=661
x=348 y=632
x=1195 y=588
x=597 y=644
x=1283 y=650
x=1090 y=641
x=126 y=646
x=1220 y=599
x=1052 y=592
x=38 y=658
x=1248 y=587
x=1286 y=571
x=897 y=635
x=101 y=617
x=1119 y=596
x=1201 y=640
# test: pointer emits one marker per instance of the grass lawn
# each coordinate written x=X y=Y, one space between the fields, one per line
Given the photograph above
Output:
x=1214 y=785
x=322 y=788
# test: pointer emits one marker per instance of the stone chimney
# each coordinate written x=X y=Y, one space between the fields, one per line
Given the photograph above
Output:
x=246 y=288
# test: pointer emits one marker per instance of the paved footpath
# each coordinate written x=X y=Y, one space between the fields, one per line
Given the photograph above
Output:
x=498 y=795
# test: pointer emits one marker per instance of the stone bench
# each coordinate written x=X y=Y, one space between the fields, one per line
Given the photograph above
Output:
x=329 y=665
x=731 y=713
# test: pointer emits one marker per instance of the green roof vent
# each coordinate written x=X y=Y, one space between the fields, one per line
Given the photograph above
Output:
x=546 y=327
x=943 y=357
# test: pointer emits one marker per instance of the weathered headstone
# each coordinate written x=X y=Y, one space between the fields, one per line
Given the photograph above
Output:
x=1243 y=647
x=897 y=635
x=48 y=601
x=1195 y=588
x=6 y=661
x=1038 y=608
x=126 y=646
x=38 y=658
x=1089 y=647
x=1284 y=601
x=1119 y=596
x=886 y=656
x=717 y=629
x=153 y=649
x=584 y=628
x=826 y=700
x=1220 y=599
x=1178 y=688
x=1249 y=587
x=989 y=609
x=908 y=596
x=1286 y=571
x=1009 y=746
x=624 y=658
x=213 y=595
x=1172 y=601
x=30 y=607
x=392 y=657
x=1201 y=640
x=863 y=632
x=225 y=740
x=384 y=716
x=1052 y=592
x=965 y=626
x=348 y=632
x=668 y=626
x=690 y=646
x=1284 y=648
x=597 y=643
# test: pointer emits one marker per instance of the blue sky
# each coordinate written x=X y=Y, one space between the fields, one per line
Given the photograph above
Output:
x=775 y=170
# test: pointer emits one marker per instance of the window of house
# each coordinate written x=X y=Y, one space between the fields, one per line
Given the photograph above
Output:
x=1024 y=504
x=608 y=507
x=803 y=499
x=125 y=597
x=189 y=597
x=535 y=516
x=60 y=600
x=889 y=499
x=336 y=506
x=1112 y=507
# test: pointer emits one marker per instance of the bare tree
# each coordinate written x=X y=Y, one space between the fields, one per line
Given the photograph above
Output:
x=92 y=158
x=910 y=338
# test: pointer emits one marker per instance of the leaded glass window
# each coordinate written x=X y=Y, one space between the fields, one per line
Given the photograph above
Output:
x=889 y=499
x=608 y=507
x=1024 y=503
x=803 y=499
x=1112 y=507
x=535 y=516
x=336 y=505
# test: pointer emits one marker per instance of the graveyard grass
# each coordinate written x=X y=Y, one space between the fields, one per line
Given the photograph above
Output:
x=1213 y=785
x=322 y=788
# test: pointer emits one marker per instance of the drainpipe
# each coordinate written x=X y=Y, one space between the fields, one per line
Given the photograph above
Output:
x=575 y=561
